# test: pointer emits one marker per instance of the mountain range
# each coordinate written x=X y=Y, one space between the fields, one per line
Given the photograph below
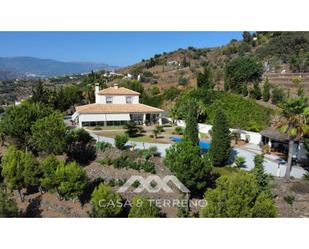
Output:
x=12 y=67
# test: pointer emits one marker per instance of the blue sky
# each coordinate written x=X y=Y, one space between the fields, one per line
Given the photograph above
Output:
x=114 y=48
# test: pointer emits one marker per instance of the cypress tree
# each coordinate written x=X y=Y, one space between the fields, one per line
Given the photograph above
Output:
x=256 y=91
x=259 y=172
x=205 y=79
x=221 y=140
x=245 y=90
x=266 y=90
x=191 y=130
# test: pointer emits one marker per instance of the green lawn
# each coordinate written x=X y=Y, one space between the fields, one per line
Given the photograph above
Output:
x=144 y=138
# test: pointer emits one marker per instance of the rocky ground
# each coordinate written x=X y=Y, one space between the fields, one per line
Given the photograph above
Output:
x=38 y=204
x=292 y=197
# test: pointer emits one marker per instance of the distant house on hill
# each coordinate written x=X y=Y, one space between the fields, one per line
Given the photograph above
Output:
x=128 y=76
x=116 y=106
x=173 y=63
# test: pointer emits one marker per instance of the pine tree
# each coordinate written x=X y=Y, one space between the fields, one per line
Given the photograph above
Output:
x=143 y=208
x=237 y=196
x=221 y=140
x=105 y=202
x=192 y=169
x=266 y=90
x=191 y=130
x=8 y=206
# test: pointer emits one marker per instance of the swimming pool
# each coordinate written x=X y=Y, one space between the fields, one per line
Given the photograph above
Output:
x=204 y=145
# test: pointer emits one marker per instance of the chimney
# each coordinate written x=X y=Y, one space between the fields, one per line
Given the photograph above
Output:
x=116 y=86
x=96 y=91
x=97 y=88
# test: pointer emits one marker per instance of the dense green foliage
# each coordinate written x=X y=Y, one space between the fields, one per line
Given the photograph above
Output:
x=79 y=146
x=264 y=207
x=60 y=99
x=48 y=167
x=239 y=161
x=220 y=147
x=105 y=203
x=65 y=97
x=259 y=172
x=247 y=37
x=278 y=95
x=266 y=90
x=255 y=92
x=102 y=145
x=39 y=93
x=120 y=141
x=132 y=129
x=142 y=207
x=158 y=130
x=19 y=170
x=17 y=121
x=8 y=206
x=240 y=71
x=72 y=180
x=183 y=81
x=133 y=85
x=235 y=108
x=191 y=130
x=49 y=133
x=205 y=79
x=69 y=180
x=294 y=123
x=125 y=162
x=245 y=91
x=155 y=101
x=171 y=93
x=192 y=169
x=238 y=195
x=284 y=46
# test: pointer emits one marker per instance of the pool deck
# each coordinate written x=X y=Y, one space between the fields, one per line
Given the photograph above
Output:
x=248 y=151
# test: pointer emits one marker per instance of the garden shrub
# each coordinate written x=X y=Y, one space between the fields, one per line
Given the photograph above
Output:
x=102 y=146
x=126 y=162
x=235 y=108
x=120 y=141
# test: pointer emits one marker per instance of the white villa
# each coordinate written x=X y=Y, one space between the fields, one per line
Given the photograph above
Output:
x=116 y=106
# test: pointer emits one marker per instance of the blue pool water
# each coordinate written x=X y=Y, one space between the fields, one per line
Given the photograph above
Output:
x=204 y=145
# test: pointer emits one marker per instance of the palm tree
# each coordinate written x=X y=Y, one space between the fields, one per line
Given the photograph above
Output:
x=294 y=123
x=239 y=161
x=158 y=130
x=132 y=130
x=88 y=92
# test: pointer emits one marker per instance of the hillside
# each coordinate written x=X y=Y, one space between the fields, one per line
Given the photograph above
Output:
x=278 y=52
x=30 y=66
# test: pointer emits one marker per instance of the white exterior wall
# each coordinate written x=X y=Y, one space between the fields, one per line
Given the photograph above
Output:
x=255 y=137
x=103 y=117
x=302 y=153
x=101 y=99
x=118 y=117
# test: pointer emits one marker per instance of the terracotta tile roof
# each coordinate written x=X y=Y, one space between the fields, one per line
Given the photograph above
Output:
x=117 y=91
x=117 y=108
